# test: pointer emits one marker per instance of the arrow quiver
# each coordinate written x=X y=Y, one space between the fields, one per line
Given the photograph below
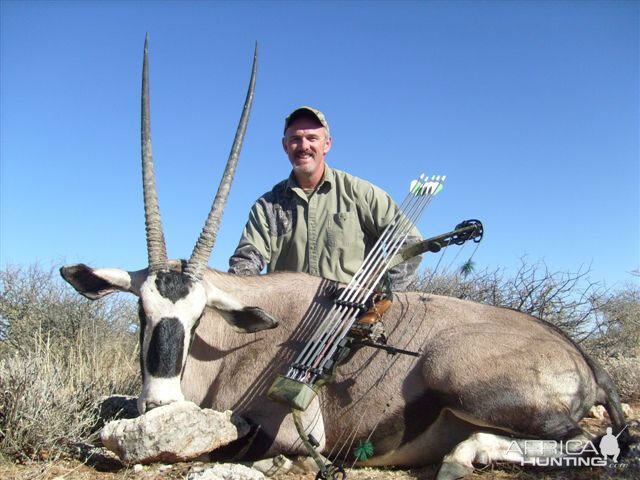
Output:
x=369 y=324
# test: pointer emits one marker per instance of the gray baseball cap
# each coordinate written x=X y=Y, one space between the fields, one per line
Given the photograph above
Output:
x=316 y=113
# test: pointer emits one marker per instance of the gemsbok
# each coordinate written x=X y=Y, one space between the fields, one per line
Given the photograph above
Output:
x=486 y=377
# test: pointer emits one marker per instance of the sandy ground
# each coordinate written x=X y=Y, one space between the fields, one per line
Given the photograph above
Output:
x=103 y=465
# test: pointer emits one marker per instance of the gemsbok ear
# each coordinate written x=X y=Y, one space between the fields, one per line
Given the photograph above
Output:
x=249 y=320
x=242 y=318
x=95 y=283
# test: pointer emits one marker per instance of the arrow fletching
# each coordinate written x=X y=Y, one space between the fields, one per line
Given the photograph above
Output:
x=425 y=186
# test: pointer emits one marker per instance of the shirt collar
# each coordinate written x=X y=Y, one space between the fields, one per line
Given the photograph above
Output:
x=327 y=178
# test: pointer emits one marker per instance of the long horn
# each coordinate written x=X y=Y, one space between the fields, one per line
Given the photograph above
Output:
x=204 y=245
x=156 y=247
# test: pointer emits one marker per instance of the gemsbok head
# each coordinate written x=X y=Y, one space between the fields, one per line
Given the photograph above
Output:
x=172 y=295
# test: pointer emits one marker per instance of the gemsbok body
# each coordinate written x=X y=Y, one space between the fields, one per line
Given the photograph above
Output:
x=485 y=377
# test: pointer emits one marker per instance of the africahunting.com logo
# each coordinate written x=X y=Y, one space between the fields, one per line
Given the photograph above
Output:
x=569 y=453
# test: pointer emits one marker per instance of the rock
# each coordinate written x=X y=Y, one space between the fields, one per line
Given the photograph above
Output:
x=597 y=411
x=137 y=468
x=176 y=432
x=227 y=471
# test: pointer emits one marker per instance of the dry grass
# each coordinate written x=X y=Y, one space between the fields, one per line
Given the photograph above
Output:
x=625 y=372
x=49 y=398
x=59 y=354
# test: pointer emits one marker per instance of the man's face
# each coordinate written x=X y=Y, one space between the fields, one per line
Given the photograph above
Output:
x=306 y=144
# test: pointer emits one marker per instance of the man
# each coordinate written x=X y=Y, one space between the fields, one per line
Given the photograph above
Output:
x=320 y=220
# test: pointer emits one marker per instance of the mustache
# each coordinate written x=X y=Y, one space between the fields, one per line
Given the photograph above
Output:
x=304 y=152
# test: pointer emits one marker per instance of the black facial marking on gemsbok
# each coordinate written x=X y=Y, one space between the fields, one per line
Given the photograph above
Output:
x=173 y=285
x=143 y=323
x=485 y=374
x=164 y=357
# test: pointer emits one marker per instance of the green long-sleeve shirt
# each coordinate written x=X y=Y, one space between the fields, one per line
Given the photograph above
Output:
x=326 y=233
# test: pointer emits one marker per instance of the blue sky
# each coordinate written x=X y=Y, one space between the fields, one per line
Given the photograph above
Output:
x=531 y=109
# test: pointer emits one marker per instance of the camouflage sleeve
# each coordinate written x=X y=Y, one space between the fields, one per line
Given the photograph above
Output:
x=253 y=251
x=379 y=212
x=402 y=275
